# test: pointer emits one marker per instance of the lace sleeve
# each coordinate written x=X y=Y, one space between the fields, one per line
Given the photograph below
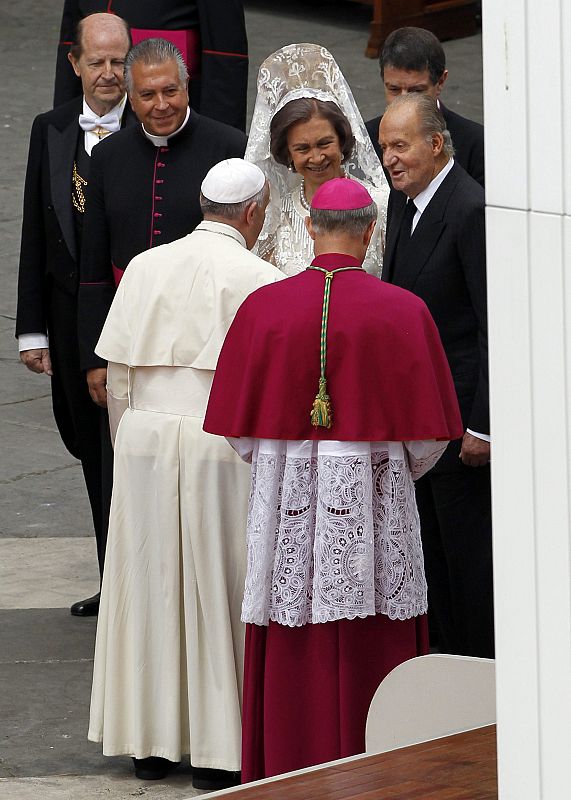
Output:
x=373 y=262
x=264 y=248
x=423 y=455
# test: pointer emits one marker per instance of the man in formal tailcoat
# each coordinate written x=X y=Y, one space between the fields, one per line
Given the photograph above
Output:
x=57 y=176
x=436 y=249
x=413 y=60
x=145 y=186
x=210 y=33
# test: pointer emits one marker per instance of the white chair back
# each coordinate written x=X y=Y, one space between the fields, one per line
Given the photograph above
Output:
x=429 y=697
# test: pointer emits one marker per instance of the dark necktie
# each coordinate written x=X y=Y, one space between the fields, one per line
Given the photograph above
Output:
x=408 y=216
x=402 y=245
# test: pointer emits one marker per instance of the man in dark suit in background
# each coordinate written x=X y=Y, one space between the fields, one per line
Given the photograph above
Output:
x=436 y=249
x=145 y=186
x=54 y=204
x=413 y=60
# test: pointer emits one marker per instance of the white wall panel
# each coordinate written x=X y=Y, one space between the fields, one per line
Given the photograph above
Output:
x=545 y=109
x=529 y=297
x=527 y=109
x=505 y=62
x=565 y=35
x=549 y=316
x=515 y=587
x=567 y=295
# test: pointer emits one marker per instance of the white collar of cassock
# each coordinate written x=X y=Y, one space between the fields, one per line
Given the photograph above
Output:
x=221 y=228
x=161 y=141
x=423 y=198
x=90 y=139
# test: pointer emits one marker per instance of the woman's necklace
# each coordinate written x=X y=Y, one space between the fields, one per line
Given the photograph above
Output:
x=302 y=197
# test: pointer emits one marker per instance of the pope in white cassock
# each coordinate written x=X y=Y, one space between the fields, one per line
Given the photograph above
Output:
x=169 y=652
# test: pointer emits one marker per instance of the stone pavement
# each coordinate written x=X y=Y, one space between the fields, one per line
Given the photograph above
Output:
x=47 y=552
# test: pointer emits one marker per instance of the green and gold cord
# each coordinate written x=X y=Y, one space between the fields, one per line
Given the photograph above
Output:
x=322 y=412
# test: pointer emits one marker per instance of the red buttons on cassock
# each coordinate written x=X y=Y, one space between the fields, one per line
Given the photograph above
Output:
x=164 y=149
x=158 y=197
x=159 y=180
x=156 y=233
x=157 y=214
x=160 y=164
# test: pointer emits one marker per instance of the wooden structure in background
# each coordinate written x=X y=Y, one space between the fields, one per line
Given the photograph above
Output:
x=448 y=19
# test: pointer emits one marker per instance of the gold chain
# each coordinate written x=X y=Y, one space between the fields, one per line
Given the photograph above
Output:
x=77 y=196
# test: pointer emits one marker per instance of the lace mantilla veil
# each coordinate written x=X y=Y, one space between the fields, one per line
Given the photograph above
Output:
x=304 y=70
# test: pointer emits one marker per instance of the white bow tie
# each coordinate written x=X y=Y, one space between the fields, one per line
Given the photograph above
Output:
x=88 y=122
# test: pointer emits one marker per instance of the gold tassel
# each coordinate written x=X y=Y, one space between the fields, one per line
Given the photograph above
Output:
x=322 y=413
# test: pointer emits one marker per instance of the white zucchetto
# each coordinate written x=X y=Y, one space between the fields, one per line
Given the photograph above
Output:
x=232 y=181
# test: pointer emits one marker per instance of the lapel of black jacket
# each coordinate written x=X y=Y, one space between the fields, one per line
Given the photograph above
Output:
x=427 y=233
x=62 y=146
x=128 y=117
x=395 y=210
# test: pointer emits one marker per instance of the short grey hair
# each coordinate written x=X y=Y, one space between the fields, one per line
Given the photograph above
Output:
x=154 y=51
x=231 y=210
x=354 y=222
x=429 y=115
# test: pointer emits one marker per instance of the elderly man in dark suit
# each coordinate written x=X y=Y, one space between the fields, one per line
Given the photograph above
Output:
x=436 y=249
x=413 y=60
x=54 y=204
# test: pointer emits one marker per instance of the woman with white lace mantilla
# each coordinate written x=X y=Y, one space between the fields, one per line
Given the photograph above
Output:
x=306 y=130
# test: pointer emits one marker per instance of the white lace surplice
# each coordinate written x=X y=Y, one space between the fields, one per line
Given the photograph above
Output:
x=333 y=530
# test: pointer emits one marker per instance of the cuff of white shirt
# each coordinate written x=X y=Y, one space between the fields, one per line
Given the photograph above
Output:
x=485 y=436
x=32 y=341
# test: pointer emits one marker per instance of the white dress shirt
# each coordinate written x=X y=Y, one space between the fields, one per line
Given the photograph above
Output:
x=422 y=200
x=90 y=139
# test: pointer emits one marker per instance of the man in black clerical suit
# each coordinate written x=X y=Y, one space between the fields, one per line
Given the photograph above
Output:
x=57 y=177
x=413 y=60
x=435 y=247
x=145 y=185
x=210 y=33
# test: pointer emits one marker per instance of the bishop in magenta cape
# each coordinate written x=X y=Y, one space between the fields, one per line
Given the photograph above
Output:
x=388 y=377
x=333 y=532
